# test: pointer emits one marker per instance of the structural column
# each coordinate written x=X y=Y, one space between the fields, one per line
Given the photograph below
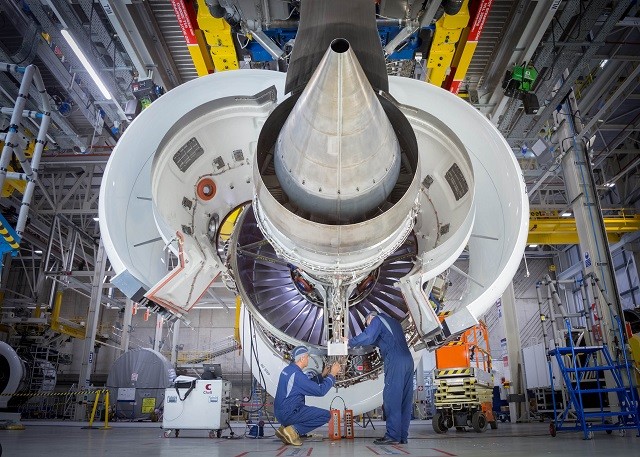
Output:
x=126 y=325
x=514 y=348
x=88 y=358
x=174 y=342
x=157 y=339
x=633 y=249
x=581 y=191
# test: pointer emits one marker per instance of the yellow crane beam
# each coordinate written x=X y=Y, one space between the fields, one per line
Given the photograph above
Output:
x=549 y=228
x=217 y=35
x=443 y=47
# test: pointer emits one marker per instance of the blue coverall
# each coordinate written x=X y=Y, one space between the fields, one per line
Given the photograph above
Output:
x=397 y=395
x=289 y=406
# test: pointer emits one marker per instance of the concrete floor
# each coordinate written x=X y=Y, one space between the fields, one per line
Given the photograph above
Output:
x=146 y=440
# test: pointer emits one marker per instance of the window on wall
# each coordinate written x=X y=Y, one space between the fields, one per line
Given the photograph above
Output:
x=626 y=272
x=626 y=278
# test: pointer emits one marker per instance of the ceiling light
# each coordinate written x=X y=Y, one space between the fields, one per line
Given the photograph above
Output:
x=38 y=251
x=603 y=63
x=85 y=62
x=567 y=214
x=96 y=219
x=609 y=184
x=533 y=245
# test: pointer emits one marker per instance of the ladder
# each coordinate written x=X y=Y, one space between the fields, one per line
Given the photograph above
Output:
x=583 y=369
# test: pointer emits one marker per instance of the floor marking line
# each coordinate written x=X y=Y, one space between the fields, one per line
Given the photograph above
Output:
x=372 y=450
x=400 y=449
x=445 y=453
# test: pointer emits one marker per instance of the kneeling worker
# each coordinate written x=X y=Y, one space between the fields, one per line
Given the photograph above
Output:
x=289 y=406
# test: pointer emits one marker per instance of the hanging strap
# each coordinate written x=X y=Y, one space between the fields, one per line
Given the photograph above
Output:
x=182 y=385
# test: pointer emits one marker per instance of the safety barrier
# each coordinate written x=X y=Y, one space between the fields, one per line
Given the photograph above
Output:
x=59 y=409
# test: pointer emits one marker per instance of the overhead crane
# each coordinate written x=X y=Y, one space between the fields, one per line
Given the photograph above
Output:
x=549 y=227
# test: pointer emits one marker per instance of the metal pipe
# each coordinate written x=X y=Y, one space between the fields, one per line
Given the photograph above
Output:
x=23 y=94
x=404 y=34
x=268 y=44
x=626 y=169
x=294 y=23
x=73 y=226
x=32 y=169
x=26 y=113
x=542 y=317
x=72 y=252
x=47 y=254
x=586 y=309
x=14 y=176
x=604 y=109
x=266 y=13
x=555 y=297
x=552 y=317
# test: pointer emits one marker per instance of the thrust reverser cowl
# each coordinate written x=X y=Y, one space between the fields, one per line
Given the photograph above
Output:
x=337 y=156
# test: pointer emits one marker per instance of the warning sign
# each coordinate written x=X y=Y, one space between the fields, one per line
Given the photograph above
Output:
x=148 y=405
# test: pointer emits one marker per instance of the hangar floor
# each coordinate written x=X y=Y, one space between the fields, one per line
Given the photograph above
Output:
x=137 y=439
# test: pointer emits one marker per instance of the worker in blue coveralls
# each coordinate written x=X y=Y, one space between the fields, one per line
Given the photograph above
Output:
x=295 y=417
x=397 y=396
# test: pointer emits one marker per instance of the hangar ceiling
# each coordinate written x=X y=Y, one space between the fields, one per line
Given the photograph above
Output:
x=591 y=46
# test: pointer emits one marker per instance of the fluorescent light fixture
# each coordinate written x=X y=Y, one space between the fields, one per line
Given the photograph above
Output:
x=209 y=307
x=567 y=214
x=603 y=63
x=96 y=219
x=609 y=184
x=85 y=62
x=533 y=245
x=38 y=251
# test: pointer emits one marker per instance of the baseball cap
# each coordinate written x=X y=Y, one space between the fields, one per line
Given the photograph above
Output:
x=298 y=352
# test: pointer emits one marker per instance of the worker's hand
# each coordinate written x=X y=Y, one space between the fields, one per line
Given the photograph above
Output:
x=325 y=371
x=335 y=369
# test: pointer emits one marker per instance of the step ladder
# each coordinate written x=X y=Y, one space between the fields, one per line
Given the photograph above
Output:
x=257 y=411
x=583 y=372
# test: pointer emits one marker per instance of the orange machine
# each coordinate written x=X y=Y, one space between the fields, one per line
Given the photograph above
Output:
x=335 y=433
x=464 y=383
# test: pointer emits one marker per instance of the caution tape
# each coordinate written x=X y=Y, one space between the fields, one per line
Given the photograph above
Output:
x=11 y=241
x=54 y=394
x=454 y=372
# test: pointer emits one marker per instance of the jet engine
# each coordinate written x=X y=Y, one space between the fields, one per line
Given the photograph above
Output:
x=318 y=199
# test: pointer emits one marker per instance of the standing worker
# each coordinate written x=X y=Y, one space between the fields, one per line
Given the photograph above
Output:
x=295 y=417
x=387 y=333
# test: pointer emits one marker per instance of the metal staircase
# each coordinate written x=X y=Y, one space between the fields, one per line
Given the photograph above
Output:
x=584 y=371
x=219 y=348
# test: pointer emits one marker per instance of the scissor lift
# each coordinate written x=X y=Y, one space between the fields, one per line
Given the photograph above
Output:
x=464 y=383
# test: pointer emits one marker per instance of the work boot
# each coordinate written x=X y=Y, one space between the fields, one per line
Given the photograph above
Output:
x=292 y=436
x=280 y=434
x=385 y=440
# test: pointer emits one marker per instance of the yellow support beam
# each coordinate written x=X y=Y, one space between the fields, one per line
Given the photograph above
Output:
x=467 y=45
x=193 y=36
x=443 y=47
x=16 y=185
x=217 y=34
x=61 y=325
x=8 y=238
x=550 y=228
x=236 y=328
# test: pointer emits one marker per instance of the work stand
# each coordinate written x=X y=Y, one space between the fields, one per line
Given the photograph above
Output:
x=584 y=370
